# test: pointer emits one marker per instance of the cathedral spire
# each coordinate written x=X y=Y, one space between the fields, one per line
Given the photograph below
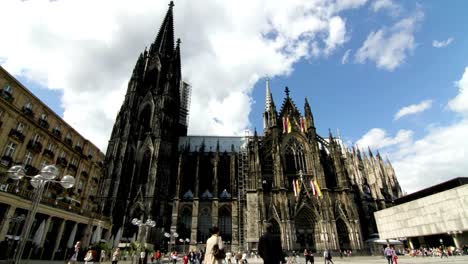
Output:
x=268 y=100
x=164 y=42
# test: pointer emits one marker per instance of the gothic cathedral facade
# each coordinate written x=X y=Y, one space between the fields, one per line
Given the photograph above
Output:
x=316 y=192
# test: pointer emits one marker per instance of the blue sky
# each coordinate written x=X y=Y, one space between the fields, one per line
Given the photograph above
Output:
x=359 y=63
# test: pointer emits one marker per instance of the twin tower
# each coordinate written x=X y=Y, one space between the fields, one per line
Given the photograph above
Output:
x=317 y=193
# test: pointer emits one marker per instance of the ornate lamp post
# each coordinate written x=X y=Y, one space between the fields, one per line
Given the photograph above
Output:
x=143 y=228
x=46 y=175
x=168 y=235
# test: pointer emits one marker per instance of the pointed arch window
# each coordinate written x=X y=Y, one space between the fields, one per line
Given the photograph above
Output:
x=225 y=224
x=204 y=225
x=295 y=157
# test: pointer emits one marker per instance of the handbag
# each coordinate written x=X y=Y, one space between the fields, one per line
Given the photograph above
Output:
x=217 y=252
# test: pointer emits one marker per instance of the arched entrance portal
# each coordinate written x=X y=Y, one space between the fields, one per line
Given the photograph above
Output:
x=343 y=234
x=305 y=229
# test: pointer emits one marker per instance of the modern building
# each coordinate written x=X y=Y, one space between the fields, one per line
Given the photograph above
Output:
x=431 y=217
x=32 y=135
x=316 y=192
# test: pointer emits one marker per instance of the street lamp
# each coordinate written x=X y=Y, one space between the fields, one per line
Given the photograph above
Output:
x=168 y=235
x=143 y=226
x=46 y=175
x=187 y=240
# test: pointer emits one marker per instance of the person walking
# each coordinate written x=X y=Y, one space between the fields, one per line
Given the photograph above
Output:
x=327 y=257
x=269 y=247
x=116 y=256
x=388 y=252
x=213 y=244
x=76 y=253
x=91 y=256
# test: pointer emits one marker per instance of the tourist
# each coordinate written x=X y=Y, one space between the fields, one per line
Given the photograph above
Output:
x=228 y=257
x=214 y=243
x=91 y=256
x=116 y=256
x=388 y=253
x=394 y=257
x=327 y=257
x=142 y=257
x=174 y=257
x=269 y=247
x=76 y=253
x=157 y=256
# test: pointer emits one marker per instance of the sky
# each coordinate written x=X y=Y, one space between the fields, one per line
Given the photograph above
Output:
x=391 y=75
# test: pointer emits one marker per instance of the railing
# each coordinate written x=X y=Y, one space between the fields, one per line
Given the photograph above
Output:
x=28 y=111
x=43 y=123
x=62 y=162
x=72 y=167
x=6 y=161
x=35 y=146
x=56 y=133
x=16 y=134
x=7 y=96
x=30 y=170
x=49 y=153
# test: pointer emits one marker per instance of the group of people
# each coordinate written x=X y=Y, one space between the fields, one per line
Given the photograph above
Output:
x=391 y=255
x=91 y=255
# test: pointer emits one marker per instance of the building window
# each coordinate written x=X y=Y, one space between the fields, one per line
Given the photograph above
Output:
x=73 y=161
x=10 y=149
x=20 y=127
x=28 y=106
x=50 y=147
x=37 y=138
x=44 y=117
x=63 y=155
x=28 y=158
x=7 y=88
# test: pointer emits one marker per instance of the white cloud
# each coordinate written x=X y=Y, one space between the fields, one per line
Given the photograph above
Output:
x=389 y=47
x=442 y=43
x=413 y=109
x=389 y=5
x=439 y=155
x=345 y=57
x=377 y=138
x=459 y=104
x=87 y=50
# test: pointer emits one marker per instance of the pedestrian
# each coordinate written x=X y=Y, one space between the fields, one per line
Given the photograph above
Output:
x=185 y=258
x=157 y=256
x=244 y=258
x=395 y=257
x=306 y=255
x=327 y=256
x=269 y=247
x=174 y=257
x=388 y=252
x=76 y=253
x=142 y=257
x=228 y=257
x=116 y=256
x=91 y=256
x=214 y=248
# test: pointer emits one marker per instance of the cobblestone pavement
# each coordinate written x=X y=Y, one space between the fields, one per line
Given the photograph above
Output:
x=319 y=260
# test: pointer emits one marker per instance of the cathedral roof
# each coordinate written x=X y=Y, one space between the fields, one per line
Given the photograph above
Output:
x=288 y=107
x=210 y=143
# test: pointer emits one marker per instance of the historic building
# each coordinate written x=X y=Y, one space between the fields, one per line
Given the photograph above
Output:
x=316 y=192
x=32 y=135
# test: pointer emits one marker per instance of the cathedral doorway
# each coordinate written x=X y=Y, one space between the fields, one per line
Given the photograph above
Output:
x=225 y=223
x=184 y=224
x=305 y=229
x=276 y=227
x=343 y=234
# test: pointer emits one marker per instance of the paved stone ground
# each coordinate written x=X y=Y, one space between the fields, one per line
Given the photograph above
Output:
x=319 y=260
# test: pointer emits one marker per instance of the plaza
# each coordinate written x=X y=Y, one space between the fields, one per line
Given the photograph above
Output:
x=336 y=260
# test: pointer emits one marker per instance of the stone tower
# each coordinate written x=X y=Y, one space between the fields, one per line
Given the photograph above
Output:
x=139 y=159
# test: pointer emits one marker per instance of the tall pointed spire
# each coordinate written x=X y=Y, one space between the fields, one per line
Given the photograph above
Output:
x=268 y=99
x=164 y=42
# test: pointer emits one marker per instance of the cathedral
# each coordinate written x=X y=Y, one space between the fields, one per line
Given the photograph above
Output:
x=315 y=191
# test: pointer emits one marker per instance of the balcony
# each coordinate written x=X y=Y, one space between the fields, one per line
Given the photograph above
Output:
x=56 y=133
x=6 y=161
x=79 y=149
x=30 y=170
x=28 y=111
x=43 y=123
x=48 y=153
x=18 y=135
x=34 y=146
x=69 y=142
x=72 y=167
x=63 y=162
x=7 y=96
